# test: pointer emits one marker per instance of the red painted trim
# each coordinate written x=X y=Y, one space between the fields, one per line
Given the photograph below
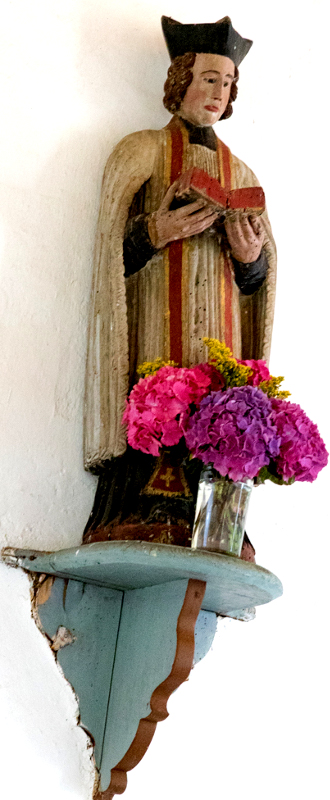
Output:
x=177 y=149
x=226 y=166
x=175 y=254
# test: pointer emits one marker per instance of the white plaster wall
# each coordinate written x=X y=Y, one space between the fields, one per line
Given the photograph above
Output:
x=77 y=75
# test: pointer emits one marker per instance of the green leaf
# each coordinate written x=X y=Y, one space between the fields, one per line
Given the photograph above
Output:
x=269 y=473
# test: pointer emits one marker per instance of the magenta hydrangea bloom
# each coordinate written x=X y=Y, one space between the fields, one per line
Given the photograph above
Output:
x=302 y=451
x=260 y=371
x=216 y=378
x=233 y=430
x=159 y=403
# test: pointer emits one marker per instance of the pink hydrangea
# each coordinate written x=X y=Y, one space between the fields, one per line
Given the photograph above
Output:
x=159 y=403
x=260 y=371
x=302 y=451
x=217 y=380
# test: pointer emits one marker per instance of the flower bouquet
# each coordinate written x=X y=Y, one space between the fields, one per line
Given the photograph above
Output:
x=236 y=420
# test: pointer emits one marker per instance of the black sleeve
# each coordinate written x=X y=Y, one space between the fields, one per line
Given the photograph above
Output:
x=249 y=277
x=138 y=248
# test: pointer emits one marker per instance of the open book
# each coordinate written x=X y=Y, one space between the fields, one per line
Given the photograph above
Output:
x=195 y=184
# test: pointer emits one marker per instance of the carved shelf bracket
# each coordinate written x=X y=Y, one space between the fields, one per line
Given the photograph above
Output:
x=182 y=665
x=126 y=621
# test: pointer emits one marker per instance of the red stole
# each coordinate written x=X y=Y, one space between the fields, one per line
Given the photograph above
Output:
x=176 y=251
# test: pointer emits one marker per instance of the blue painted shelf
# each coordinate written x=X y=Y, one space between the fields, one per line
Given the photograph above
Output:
x=128 y=620
x=232 y=584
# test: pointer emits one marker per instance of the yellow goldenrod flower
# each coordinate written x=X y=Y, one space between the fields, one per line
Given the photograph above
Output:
x=271 y=387
x=151 y=367
x=221 y=357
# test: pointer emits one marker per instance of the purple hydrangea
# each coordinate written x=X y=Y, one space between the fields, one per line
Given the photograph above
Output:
x=302 y=451
x=234 y=431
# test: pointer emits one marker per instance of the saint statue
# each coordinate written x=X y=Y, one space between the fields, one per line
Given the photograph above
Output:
x=166 y=277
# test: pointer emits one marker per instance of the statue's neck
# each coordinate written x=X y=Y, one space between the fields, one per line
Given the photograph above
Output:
x=201 y=135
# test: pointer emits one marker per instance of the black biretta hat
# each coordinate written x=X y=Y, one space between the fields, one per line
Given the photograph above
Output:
x=210 y=37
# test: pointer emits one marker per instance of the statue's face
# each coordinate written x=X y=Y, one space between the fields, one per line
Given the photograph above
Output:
x=208 y=94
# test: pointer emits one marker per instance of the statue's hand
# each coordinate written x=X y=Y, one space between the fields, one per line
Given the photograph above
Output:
x=166 y=226
x=246 y=237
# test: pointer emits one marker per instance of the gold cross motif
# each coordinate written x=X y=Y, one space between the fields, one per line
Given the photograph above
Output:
x=168 y=477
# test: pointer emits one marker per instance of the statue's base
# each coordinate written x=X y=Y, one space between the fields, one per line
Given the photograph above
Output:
x=157 y=532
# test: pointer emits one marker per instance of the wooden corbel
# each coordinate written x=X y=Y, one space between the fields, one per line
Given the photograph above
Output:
x=126 y=621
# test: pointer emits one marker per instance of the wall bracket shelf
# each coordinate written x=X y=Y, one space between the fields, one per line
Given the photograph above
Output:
x=133 y=616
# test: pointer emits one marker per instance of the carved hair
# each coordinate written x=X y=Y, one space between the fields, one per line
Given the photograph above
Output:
x=178 y=79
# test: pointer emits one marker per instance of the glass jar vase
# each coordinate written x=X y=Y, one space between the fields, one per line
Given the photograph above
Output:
x=221 y=509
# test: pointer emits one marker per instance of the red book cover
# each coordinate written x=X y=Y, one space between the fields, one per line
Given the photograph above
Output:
x=196 y=183
x=251 y=200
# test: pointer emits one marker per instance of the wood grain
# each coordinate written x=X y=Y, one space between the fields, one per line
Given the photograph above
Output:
x=179 y=673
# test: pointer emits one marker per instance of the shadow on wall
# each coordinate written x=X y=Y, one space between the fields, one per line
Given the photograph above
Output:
x=50 y=222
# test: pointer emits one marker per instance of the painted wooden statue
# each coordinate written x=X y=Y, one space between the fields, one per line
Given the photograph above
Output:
x=165 y=278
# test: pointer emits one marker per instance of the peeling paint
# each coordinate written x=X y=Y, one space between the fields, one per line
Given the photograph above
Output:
x=62 y=638
x=44 y=589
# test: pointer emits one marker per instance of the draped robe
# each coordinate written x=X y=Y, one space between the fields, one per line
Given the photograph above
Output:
x=130 y=318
